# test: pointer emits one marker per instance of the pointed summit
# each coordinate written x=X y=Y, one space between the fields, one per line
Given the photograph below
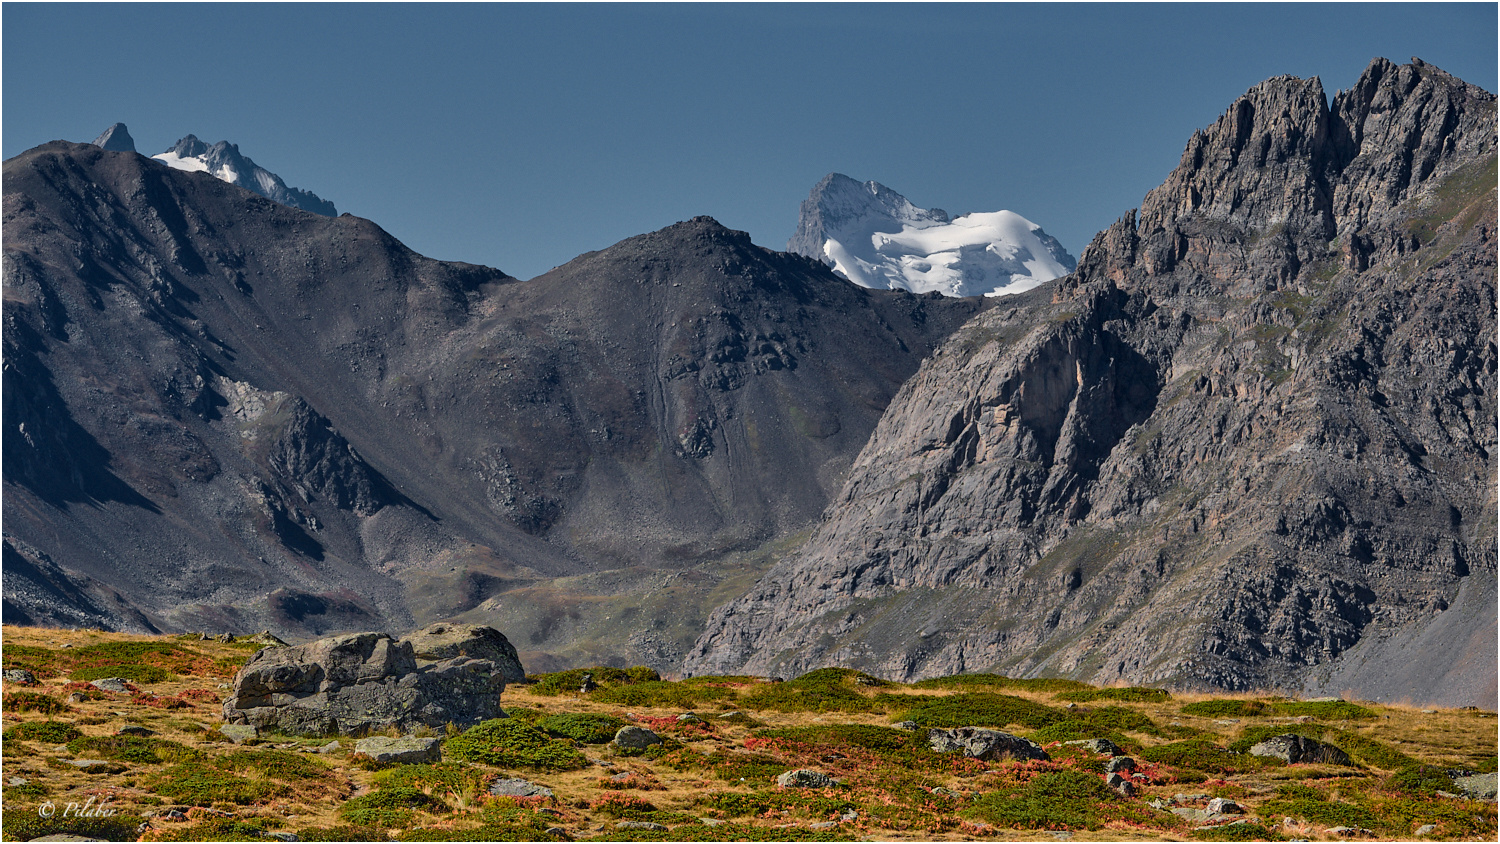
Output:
x=876 y=237
x=224 y=161
x=116 y=138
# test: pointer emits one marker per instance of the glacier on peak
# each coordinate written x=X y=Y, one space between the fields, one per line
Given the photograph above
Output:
x=875 y=237
x=224 y=161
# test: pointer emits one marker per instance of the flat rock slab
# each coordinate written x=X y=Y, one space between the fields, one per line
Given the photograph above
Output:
x=654 y=827
x=1103 y=747
x=111 y=684
x=512 y=787
x=408 y=751
x=134 y=730
x=1478 y=786
x=239 y=733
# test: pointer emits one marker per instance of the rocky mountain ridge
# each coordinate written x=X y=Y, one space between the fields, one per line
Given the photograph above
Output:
x=1250 y=443
x=224 y=413
x=223 y=161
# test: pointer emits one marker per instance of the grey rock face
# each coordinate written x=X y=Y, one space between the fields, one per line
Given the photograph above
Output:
x=1477 y=786
x=224 y=161
x=364 y=681
x=111 y=684
x=446 y=641
x=980 y=743
x=1294 y=748
x=19 y=675
x=804 y=778
x=1119 y=763
x=116 y=139
x=1103 y=747
x=1241 y=441
x=514 y=787
x=407 y=750
x=134 y=730
x=636 y=738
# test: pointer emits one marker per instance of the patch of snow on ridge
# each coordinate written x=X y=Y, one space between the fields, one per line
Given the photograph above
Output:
x=877 y=238
x=192 y=164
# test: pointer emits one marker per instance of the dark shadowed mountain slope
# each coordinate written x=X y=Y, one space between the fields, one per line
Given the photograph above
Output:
x=1249 y=443
x=223 y=413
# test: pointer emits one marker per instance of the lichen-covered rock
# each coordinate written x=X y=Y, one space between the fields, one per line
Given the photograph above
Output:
x=446 y=640
x=1478 y=786
x=1294 y=748
x=406 y=750
x=804 y=778
x=980 y=743
x=635 y=738
x=516 y=787
x=1101 y=746
x=360 y=682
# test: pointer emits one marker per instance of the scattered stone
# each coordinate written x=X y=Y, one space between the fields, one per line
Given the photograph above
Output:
x=516 y=787
x=97 y=766
x=689 y=718
x=225 y=638
x=909 y=726
x=1224 y=806
x=1293 y=749
x=1426 y=829
x=329 y=747
x=1103 y=747
x=1060 y=834
x=239 y=733
x=655 y=827
x=19 y=675
x=621 y=777
x=804 y=778
x=76 y=697
x=111 y=684
x=1350 y=831
x=1478 y=786
x=409 y=750
x=636 y=738
x=588 y=685
x=823 y=825
x=173 y=815
x=556 y=830
x=18 y=781
x=1191 y=813
x=280 y=836
x=1125 y=787
x=849 y=815
x=1119 y=763
x=711 y=822
x=362 y=682
x=733 y=714
x=989 y=745
x=134 y=730
x=65 y=836
x=444 y=641
x=265 y=637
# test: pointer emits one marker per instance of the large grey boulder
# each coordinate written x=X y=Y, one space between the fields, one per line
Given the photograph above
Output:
x=441 y=641
x=635 y=738
x=1477 y=786
x=980 y=743
x=1293 y=748
x=805 y=778
x=358 y=683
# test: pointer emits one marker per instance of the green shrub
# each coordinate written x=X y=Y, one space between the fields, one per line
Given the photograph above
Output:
x=507 y=743
x=199 y=783
x=582 y=728
x=1075 y=729
x=1422 y=780
x=981 y=709
x=880 y=739
x=1237 y=832
x=47 y=732
x=29 y=826
x=1035 y=684
x=275 y=764
x=135 y=673
x=1120 y=719
x=342 y=832
x=1321 y=812
x=438 y=777
x=217 y=829
x=1064 y=799
x=1328 y=710
x=141 y=751
x=661 y=693
x=1219 y=708
x=1131 y=694
x=33 y=702
x=1199 y=755
x=790 y=697
x=389 y=807
x=569 y=682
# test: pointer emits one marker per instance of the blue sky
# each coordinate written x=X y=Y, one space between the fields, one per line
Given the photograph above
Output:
x=520 y=136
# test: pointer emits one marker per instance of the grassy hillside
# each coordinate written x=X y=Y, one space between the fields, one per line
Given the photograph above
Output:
x=713 y=778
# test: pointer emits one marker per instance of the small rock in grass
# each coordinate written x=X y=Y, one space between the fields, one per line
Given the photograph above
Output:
x=1426 y=829
x=1223 y=806
x=556 y=830
x=989 y=745
x=239 y=733
x=329 y=747
x=655 y=827
x=1125 y=787
x=849 y=815
x=823 y=825
x=76 y=697
x=804 y=778
x=689 y=718
x=134 y=730
x=19 y=675
x=1119 y=763
x=1292 y=748
x=1103 y=747
x=636 y=738
x=711 y=822
x=1350 y=832
x=280 y=836
x=110 y=684
x=909 y=726
x=1478 y=786
x=516 y=787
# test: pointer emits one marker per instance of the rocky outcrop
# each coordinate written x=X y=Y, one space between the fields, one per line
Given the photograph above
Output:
x=438 y=642
x=1252 y=432
x=1293 y=749
x=989 y=745
x=359 y=683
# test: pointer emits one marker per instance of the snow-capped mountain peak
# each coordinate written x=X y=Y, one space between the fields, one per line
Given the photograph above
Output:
x=875 y=237
x=224 y=161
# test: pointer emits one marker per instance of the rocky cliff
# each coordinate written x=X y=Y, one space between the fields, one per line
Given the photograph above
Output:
x=1249 y=443
x=222 y=413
